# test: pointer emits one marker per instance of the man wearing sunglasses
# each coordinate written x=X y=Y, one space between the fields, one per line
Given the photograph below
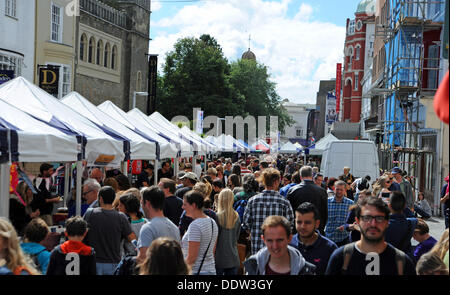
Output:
x=372 y=255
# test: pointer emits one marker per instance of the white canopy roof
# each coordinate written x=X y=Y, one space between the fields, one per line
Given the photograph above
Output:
x=289 y=148
x=210 y=148
x=141 y=148
x=36 y=141
x=101 y=149
x=167 y=150
x=226 y=143
x=322 y=144
x=183 y=145
x=159 y=119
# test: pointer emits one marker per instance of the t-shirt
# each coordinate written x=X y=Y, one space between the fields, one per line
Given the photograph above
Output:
x=106 y=230
x=168 y=174
x=172 y=209
x=424 y=247
x=205 y=231
x=136 y=226
x=157 y=227
x=144 y=177
x=362 y=264
x=270 y=271
x=318 y=253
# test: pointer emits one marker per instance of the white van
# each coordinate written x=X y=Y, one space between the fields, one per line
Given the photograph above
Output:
x=360 y=155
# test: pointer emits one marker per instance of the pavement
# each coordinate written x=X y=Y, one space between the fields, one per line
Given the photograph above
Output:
x=437 y=227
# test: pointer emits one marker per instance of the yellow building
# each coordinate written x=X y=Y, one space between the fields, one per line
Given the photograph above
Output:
x=55 y=41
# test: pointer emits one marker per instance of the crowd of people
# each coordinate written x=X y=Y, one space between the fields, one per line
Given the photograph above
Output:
x=251 y=216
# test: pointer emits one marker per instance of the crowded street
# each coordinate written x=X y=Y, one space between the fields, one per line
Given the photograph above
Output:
x=146 y=137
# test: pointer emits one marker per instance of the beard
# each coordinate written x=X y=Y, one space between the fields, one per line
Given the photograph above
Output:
x=372 y=240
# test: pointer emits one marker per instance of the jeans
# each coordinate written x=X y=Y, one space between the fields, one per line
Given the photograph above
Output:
x=227 y=271
x=421 y=212
x=106 y=268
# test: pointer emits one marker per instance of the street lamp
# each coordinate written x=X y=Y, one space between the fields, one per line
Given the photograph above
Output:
x=134 y=97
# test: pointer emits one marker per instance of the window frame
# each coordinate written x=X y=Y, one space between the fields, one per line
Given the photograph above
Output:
x=61 y=83
x=60 y=31
x=11 y=8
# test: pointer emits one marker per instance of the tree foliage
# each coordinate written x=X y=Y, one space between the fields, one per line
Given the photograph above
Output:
x=196 y=74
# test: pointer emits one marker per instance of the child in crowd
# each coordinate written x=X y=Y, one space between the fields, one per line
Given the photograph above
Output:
x=73 y=257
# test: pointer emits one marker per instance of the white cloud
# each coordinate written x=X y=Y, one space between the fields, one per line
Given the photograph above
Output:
x=298 y=52
x=156 y=6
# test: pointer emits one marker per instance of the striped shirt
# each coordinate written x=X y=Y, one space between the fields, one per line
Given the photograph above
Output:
x=258 y=208
x=337 y=214
x=205 y=231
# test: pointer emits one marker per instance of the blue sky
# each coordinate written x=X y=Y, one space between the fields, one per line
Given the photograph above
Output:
x=299 y=41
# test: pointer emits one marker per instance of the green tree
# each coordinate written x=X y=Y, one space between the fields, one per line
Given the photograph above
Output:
x=251 y=80
x=195 y=75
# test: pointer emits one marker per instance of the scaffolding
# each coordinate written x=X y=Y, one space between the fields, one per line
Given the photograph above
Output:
x=411 y=72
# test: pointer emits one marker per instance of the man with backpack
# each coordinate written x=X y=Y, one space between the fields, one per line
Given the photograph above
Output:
x=401 y=228
x=371 y=255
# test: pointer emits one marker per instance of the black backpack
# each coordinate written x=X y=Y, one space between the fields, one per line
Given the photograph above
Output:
x=127 y=267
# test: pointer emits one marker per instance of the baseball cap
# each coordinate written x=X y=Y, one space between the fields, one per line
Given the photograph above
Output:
x=190 y=175
x=396 y=170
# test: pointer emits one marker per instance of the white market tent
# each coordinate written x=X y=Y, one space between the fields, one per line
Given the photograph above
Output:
x=98 y=147
x=183 y=146
x=167 y=150
x=226 y=143
x=210 y=148
x=289 y=148
x=140 y=147
x=26 y=139
x=322 y=144
x=160 y=120
x=36 y=102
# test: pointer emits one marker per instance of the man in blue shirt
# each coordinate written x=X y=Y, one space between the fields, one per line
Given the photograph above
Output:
x=338 y=207
x=295 y=179
x=314 y=247
x=401 y=228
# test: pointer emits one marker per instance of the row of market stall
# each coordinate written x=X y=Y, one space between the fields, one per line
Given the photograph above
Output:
x=37 y=127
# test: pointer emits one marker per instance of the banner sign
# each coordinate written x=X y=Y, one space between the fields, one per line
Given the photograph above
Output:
x=199 y=127
x=338 y=86
x=49 y=79
x=330 y=115
x=5 y=76
x=152 y=79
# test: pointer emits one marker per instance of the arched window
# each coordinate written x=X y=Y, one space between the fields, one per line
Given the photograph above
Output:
x=139 y=82
x=83 y=46
x=107 y=53
x=99 y=52
x=114 y=58
x=91 y=50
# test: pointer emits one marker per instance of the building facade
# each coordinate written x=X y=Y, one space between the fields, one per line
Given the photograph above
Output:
x=55 y=42
x=358 y=47
x=408 y=66
x=298 y=132
x=112 y=44
x=322 y=127
x=17 y=50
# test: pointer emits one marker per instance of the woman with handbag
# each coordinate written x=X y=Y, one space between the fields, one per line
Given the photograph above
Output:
x=199 y=242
